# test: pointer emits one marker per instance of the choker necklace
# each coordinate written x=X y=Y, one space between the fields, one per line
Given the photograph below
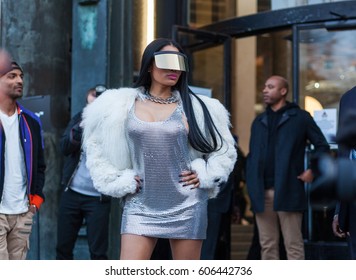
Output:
x=170 y=100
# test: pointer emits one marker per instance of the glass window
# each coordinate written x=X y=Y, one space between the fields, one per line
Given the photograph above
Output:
x=327 y=65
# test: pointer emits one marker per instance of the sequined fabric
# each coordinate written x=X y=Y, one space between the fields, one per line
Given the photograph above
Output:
x=163 y=207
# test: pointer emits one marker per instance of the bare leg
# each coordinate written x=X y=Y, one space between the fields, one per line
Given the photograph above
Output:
x=136 y=247
x=186 y=249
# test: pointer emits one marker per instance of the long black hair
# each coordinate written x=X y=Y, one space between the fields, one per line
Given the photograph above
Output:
x=205 y=143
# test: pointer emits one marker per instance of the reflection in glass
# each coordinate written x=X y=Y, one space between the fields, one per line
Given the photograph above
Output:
x=327 y=65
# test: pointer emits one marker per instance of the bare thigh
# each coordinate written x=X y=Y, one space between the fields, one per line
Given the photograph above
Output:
x=136 y=247
x=186 y=249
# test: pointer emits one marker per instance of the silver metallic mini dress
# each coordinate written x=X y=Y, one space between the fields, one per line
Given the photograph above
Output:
x=163 y=208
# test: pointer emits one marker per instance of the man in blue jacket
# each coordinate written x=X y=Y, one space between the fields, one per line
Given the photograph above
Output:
x=275 y=170
x=22 y=166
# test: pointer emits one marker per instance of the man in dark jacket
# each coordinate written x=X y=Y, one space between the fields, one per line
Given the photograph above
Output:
x=80 y=200
x=345 y=217
x=275 y=170
x=22 y=166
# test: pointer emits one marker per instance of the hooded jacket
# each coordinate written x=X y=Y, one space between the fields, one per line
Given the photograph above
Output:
x=32 y=144
x=106 y=146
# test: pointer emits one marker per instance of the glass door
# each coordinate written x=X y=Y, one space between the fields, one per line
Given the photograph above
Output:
x=324 y=69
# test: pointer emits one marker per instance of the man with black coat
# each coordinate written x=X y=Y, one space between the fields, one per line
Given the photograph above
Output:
x=275 y=170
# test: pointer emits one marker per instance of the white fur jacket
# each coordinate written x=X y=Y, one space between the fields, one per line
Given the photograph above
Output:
x=106 y=147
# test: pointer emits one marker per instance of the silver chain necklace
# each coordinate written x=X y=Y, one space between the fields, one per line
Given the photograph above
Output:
x=170 y=100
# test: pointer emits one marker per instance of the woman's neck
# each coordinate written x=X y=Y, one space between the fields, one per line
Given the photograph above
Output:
x=162 y=92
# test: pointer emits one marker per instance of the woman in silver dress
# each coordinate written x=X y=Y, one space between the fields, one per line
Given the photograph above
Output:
x=161 y=148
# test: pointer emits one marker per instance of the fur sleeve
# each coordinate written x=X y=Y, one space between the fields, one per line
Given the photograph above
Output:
x=216 y=168
x=105 y=145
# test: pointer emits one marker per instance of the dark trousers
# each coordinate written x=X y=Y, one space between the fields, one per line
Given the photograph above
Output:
x=212 y=236
x=73 y=210
x=216 y=246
